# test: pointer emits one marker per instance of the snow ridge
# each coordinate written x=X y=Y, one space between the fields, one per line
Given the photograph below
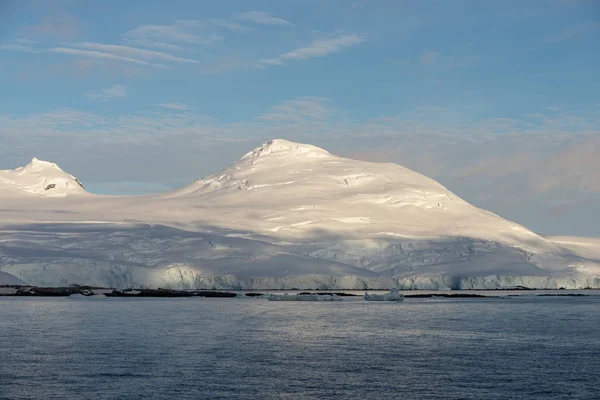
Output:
x=286 y=148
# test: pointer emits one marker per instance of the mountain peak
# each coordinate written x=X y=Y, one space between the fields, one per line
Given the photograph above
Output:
x=286 y=147
x=37 y=164
x=41 y=178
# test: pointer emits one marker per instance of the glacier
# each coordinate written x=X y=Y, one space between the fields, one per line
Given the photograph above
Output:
x=7 y=279
x=285 y=216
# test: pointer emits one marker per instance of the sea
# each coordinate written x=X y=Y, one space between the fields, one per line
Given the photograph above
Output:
x=507 y=347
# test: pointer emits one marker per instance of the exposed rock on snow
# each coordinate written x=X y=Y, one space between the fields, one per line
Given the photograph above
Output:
x=286 y=215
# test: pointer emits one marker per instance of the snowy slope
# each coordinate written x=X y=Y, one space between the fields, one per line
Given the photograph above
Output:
x=292 y=190
x=40 y=178
x=581 y=246
x=285 y=215
x=8 y=279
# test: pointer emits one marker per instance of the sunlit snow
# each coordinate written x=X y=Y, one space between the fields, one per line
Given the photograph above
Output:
x=286 y=215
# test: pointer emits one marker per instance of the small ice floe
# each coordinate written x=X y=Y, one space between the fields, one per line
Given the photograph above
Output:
x=304 y=297
x=393 y=295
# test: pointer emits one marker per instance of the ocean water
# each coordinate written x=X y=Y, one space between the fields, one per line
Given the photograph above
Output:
x=512 y=348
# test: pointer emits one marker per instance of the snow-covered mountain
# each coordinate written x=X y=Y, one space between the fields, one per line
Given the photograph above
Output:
x=39 y=178
x=285 y=215
x=8 y=279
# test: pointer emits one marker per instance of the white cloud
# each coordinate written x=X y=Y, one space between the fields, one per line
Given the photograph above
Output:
x=434 y=58
x=302 y=108
x=173 y=106
x=25 y=41
x=173 y=37
x=133 y=53
x=576 y=167
x=19 y=47
x=158 y=46
x=115 y=52
x=60 y=25
x=318 y=48
x=261 y=17
x=232 y=26
x=177 y=32
x=99 y=54
x=110 y=93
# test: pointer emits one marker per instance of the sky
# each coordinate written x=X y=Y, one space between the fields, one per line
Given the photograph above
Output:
x=499 y=101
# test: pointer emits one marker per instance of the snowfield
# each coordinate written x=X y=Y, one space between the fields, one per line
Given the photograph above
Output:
x=286 y=215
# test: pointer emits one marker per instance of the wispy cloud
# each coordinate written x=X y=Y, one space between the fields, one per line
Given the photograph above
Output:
x=359 y=4
x=225 y=64
x=432 y=58
x=170 y=39
x=173 y=37
x=318 y=48
x=116 y=52
x=90 y=68
x=230 y=25
x=177 y=32
x=133 y=52
x=59 y=25
x=261 y=17
x=18 y=47
x=302 y=108
x=25 y=41
x=115 y=91
x=157 y=46
x=575 y=167
x=575 y=31
x=99 y=54
x=173 y=106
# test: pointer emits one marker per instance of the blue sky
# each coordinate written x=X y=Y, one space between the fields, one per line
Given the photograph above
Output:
x=497 y=100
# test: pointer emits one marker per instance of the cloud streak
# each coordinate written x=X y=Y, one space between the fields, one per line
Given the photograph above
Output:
x=129 y=54
x=262 y=18
x=231 y=26
x=59 y=25
x=18 y=47
x=159 y=46
x=318 y=48
x=99 y=54
x=173 y=106
x=115 y=91
x=172 y=37
x=300 y=109
x=133 y=53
